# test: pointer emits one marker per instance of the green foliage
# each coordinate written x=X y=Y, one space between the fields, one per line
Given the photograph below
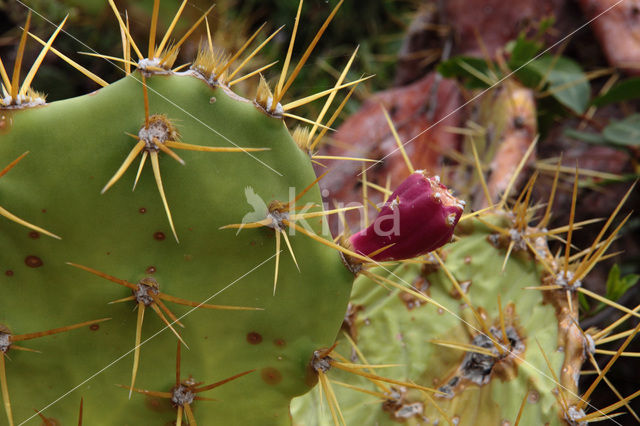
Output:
x=625 y=90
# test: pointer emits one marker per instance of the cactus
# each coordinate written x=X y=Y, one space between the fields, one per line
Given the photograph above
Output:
x=224 y=237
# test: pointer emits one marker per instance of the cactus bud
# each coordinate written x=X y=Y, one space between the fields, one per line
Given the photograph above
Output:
x=418 y=217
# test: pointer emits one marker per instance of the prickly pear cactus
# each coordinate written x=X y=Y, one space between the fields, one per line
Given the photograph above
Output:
x=161 y=252
x=166 y=258
x=444 y=344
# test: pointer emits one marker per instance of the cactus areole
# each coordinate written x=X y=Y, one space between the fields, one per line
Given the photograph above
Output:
x=418 y=217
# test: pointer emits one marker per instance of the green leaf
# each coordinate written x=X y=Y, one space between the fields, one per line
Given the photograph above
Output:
x=566 y=81
x=467 y=69
x=584 y=303
x=624 y=132
x=623 y=91
x=617 y=286
x=522 y=50
x=594 y=138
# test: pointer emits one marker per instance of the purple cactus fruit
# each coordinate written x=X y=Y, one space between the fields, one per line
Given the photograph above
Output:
x=418 y=217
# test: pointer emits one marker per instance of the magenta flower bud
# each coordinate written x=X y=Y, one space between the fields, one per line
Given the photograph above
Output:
x=418 y=217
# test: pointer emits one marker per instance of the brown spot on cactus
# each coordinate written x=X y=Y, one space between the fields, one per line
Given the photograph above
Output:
x=142 y=210
x=159 y=236
x=33 y=261
x=8 y=273
x=94 y=327
x=34 y=234
x=281 y=343
x=271 y=376
x=254 y=338
x=151 y=270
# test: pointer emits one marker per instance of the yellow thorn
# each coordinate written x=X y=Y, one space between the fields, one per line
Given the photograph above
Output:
x=330 y=98
x=305 y=120
x=189 y=413
x=29 y=336
x=306 y=54
x=252 y=73
x=5 y=389
x=179 y=418
x=122 y=25
x=242 y=49
x=562 y=400
x=142 y=161
x=124 y=299
x=591 y=417
x=263 y=222
x=191 y=147
x=463 y=347
x=275 y=276
x=327 y=242
x=605 y=370
x=109 y=58
x=587 y=264
x=167 y=151
x=521 y=409
x=380 y=395
x=5 y=78
x=335 y=115
x=337 y=157
x=167 y=323
x=287 y=59
x=547 y=214
x=209 y=40
x=36 y=65
x=483 y=182
x=185 y=302
x=125 y=165
x=74 y=64
x=176 y=46
x=606 y=226
x=607 y=301
x=15 y=82
x=572 y=215
x=512 y=181
x=293 y=256
x=340 y=366
x=476 y=213
x=16 y=219
x=398 y=142
x=152 y=30
x=322 y=213
x=171 y=27
x=156 y=173
x=136 y=350
x=466 y=299
x=181 y=67
x=365 y=198
x=311 y=98
x=126 y=46
x=506 y=258
x=331 y=399
x=476 y=73
x=255 y=52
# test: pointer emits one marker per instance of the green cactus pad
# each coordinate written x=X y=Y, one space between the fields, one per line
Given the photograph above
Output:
x=75 y=146
x=407 y=325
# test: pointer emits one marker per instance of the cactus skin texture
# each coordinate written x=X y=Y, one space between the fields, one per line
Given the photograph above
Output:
x=75 y=147
x=481 y=391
